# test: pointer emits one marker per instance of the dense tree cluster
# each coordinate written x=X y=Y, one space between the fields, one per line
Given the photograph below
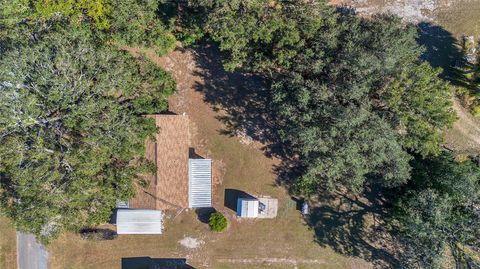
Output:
x=76 y=10
x=439 y=211
x=137 y=23
x=353 y=101
x=351 y=94
x=134 y=23
x=355 y=104
x=72 y=125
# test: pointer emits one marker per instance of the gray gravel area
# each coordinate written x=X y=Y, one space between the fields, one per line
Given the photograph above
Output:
x=30 y=254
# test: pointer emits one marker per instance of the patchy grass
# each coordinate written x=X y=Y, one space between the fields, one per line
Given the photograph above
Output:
x=277 y=265
x=8 y=249
x=460 y=17
x=204 y=94
x=464 y=137
x=237 y=166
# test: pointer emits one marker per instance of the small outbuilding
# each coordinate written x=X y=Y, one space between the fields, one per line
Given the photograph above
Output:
x=139 y=221
x=247 y=208
x=262 y=208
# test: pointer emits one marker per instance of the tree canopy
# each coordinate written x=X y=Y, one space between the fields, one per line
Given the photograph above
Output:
x=72 y=131
x=439 y=211
x=137 y=23
x=133 y=23
x=351 y=95
x=77 y=10
x=262 y=35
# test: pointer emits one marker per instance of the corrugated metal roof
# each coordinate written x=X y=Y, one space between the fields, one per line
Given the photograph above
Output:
x=247 y=208
x=200 y=183
x=139 y=221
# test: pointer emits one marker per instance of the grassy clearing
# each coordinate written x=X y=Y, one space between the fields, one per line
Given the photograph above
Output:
x=274 y=266
x=460 y=17
x=464 y=137
x=237 y=166
x=8 y=250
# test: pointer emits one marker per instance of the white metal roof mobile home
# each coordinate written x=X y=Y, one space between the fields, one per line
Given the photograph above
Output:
x=139 y=221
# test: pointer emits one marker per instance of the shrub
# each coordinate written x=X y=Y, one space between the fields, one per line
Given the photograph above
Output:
x=217 y=222
x=476 y=110
x=95 y=234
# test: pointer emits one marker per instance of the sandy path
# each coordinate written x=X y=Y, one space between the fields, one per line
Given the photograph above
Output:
x=466 y=124
x=31 y=254
x=465 y=134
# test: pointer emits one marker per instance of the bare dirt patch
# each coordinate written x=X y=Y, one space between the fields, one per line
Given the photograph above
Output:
x=457 y=16
x=218 y=105
x=190 y=242
x=464 y=137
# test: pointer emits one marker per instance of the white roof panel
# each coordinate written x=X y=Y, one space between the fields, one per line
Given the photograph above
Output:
x=200 y=183
x=247 y=208
x=139 y=221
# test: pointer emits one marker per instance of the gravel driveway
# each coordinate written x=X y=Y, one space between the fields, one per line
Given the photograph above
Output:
x=30 y=254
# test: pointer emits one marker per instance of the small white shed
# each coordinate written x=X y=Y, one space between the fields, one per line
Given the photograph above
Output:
x=139 y=221
x=247 y=207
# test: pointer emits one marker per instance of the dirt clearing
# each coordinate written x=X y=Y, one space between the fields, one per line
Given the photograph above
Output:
x=191 y=243
x=457 y=16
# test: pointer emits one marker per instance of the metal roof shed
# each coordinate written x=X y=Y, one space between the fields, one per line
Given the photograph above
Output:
x=200 y=183
x=247 y=208
x=139 y=221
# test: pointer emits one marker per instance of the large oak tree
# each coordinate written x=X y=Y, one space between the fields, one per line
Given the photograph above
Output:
x=351 y=95
x=439 y=212
x=72 y=129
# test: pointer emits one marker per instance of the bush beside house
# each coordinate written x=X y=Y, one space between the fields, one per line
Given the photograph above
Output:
x=217 y=222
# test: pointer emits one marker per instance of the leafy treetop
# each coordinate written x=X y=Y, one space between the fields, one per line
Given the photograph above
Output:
x=71 y=128
x=439 y=210
x=351 y=95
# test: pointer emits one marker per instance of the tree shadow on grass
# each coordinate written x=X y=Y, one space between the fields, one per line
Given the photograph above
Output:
x=203 y=214
x=231 y=198
x=246 y=101
x=355 y=226
x=243 y=96
x=442 y=49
